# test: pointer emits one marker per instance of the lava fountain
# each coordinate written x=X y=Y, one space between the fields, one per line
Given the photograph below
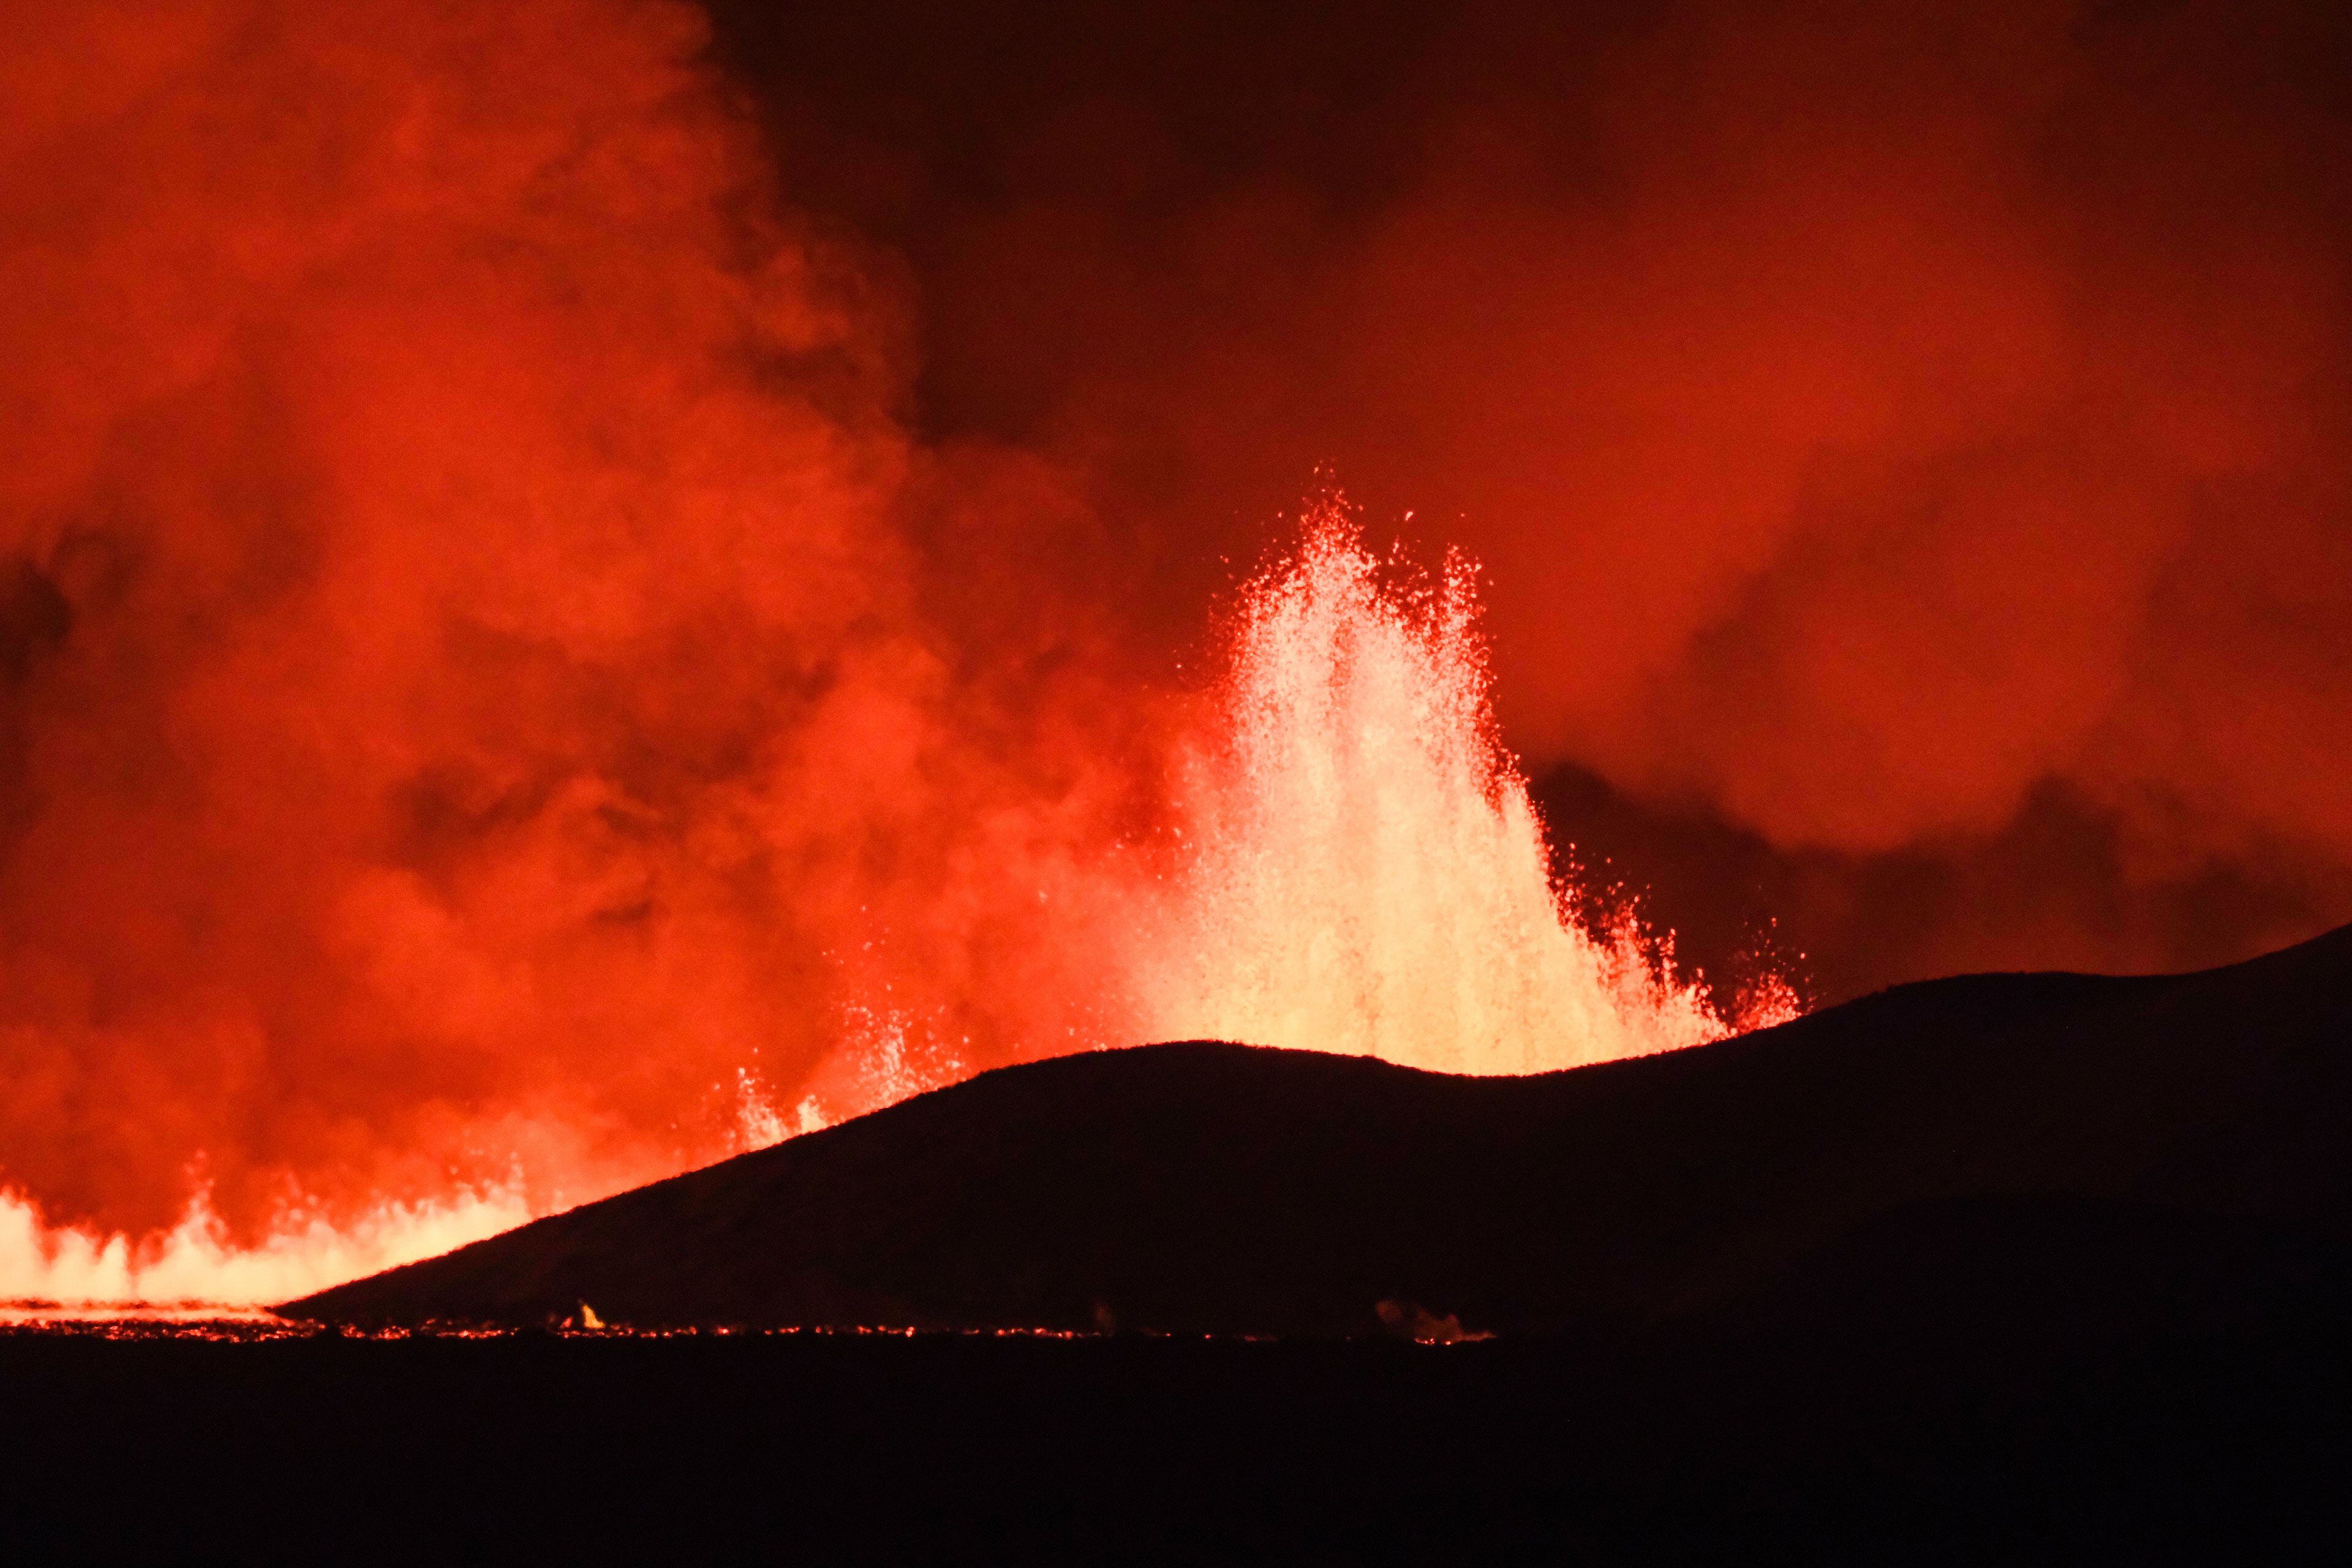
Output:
x=1364 y=871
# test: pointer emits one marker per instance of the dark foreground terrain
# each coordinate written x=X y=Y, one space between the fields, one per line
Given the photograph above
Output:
x=2133 y=1139
x=1832 y=1436
x=2001 y=1270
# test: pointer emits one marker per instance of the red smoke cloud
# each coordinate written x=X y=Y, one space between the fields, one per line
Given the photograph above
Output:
x=1916 y=374
x=1874 y=421
x=464 y=691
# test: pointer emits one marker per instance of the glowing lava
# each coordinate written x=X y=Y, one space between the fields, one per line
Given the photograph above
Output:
x=196 y=1265
x=1366 y=871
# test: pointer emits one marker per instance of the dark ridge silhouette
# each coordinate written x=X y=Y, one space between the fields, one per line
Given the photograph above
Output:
x=2065 y=1149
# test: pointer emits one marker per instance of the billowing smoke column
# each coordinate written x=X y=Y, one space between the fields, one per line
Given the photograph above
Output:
x=475 y=732
x=460 y=685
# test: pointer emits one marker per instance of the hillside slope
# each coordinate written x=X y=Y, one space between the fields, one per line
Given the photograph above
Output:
x=1207 y=1187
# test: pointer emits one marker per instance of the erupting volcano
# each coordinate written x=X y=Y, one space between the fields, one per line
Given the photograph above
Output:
x=684 y=793
x=582 y=588
x=1349 y=862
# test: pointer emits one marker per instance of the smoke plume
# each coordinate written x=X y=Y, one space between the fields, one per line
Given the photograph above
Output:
x=461 y=673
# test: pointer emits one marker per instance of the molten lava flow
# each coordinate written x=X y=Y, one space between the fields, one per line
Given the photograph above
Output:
x=1365 y=872
x=195 y=1262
